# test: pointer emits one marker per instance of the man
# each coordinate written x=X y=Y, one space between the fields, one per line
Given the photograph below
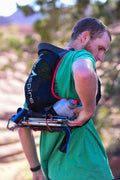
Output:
x=75 y=79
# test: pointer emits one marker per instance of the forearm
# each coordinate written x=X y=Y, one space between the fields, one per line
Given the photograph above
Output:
x=86 y=85
x=86 y=90
x=28 y=144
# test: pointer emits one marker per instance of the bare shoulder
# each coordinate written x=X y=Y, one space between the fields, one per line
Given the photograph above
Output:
x=82 y=65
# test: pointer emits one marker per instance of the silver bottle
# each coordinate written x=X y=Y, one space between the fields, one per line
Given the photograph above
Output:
x=64 y=107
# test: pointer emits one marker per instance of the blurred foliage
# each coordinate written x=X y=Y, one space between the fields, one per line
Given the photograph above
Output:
x=114 y=148
x=56 y=15
x=55 y=26
x=101 y=119
x=19 y=54
x=29 y=40
x=13 y=29
x=1 y=34
x=29 y=66
x=7 y=66
x=41 y=26
x=108 y=11
x=14 y=42
x=26 y=9
x=112 y=86
x=1 y=37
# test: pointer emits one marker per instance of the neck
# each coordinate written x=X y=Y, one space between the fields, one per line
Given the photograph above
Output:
x=69 y=45
x=73 y=44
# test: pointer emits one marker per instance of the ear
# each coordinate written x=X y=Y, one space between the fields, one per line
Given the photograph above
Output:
x=85 y=37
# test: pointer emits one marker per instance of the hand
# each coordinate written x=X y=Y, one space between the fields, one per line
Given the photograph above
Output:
x=38 y=175
x=82 y=117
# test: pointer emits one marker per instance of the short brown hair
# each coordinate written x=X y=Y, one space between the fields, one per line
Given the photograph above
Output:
x=93 y=25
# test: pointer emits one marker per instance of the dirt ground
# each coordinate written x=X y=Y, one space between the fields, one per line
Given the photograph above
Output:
x=11 y=96
x=12 y=158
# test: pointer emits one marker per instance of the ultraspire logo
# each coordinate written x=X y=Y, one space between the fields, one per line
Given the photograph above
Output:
x=29 y=86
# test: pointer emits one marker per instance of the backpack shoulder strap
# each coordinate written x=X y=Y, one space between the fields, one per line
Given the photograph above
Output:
x=52 y=48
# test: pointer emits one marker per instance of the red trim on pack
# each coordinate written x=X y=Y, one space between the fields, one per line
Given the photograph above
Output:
x=53 y=80
x=74 y=102
x=40 y=130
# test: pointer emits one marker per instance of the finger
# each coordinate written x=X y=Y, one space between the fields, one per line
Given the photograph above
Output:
x=78 y=109
x=75 y=112
x=74 y=123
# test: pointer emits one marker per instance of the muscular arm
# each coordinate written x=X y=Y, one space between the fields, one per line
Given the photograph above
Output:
x=28 y=144
x=85 y=84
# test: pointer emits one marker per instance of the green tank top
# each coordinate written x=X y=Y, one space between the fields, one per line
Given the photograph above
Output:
x=86 y=158
x=64 y=82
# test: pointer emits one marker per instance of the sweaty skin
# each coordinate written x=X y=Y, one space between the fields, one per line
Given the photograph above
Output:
x=84 y=77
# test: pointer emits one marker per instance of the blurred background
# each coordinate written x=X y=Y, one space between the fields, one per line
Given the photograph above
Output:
x=23 y=25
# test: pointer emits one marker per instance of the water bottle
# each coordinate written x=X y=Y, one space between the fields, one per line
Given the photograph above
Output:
x=64 y=107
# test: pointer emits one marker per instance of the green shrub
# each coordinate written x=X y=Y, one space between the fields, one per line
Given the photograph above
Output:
x=1 y=38
x=7 y=66
x=101 y=119
x=109 y=89
x=14 y=42
x=1 y=34
x=19 y=54
x=29 y=40
x=29 y=66
x=13 y=29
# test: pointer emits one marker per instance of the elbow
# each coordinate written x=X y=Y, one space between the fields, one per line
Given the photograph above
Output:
x=90 y=114
x=93 y=109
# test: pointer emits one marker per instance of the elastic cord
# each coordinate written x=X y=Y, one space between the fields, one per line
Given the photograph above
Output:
x=47 y=122
x=36 y=168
